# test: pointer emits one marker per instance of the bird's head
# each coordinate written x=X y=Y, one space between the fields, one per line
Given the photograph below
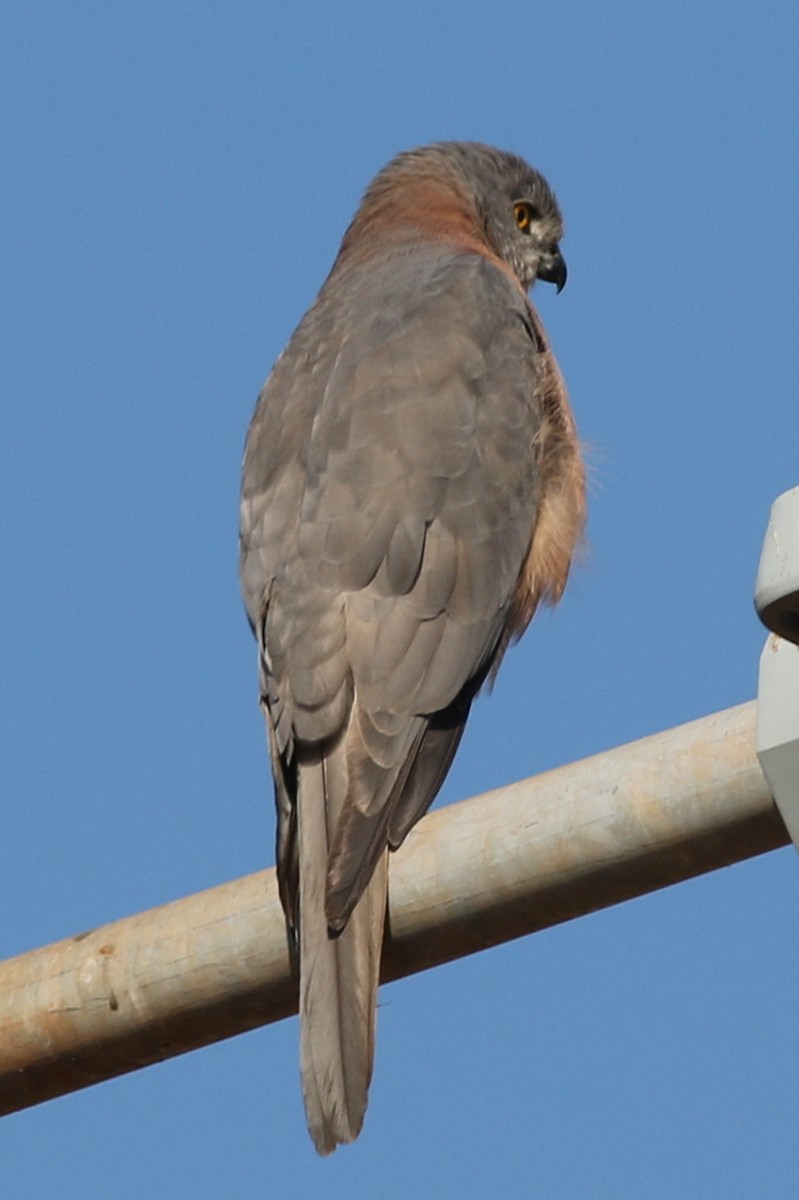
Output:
x=468 y=193
x=520 y=216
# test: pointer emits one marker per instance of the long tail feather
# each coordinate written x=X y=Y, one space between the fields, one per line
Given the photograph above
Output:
x=338 y=975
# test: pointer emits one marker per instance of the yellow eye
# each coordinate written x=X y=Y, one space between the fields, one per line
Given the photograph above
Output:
x=524 y=214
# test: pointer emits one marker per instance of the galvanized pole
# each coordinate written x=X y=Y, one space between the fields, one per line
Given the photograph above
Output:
x=472 y=875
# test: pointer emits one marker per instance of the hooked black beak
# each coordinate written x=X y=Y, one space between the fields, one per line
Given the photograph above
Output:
x=552 y=268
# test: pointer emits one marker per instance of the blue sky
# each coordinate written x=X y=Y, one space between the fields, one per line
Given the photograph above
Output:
x=176 y=180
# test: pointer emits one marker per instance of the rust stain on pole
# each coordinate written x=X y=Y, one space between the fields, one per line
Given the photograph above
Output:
x=143 y=989
x=472 y=875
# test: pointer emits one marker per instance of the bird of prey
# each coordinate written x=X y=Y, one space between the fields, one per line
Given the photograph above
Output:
x=412 y=490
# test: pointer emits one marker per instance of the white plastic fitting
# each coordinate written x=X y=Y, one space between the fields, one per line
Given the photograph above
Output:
x=777 y=603
x=777 y=584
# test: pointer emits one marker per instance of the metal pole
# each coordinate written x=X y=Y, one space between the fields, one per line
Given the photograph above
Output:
x=471 y=875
